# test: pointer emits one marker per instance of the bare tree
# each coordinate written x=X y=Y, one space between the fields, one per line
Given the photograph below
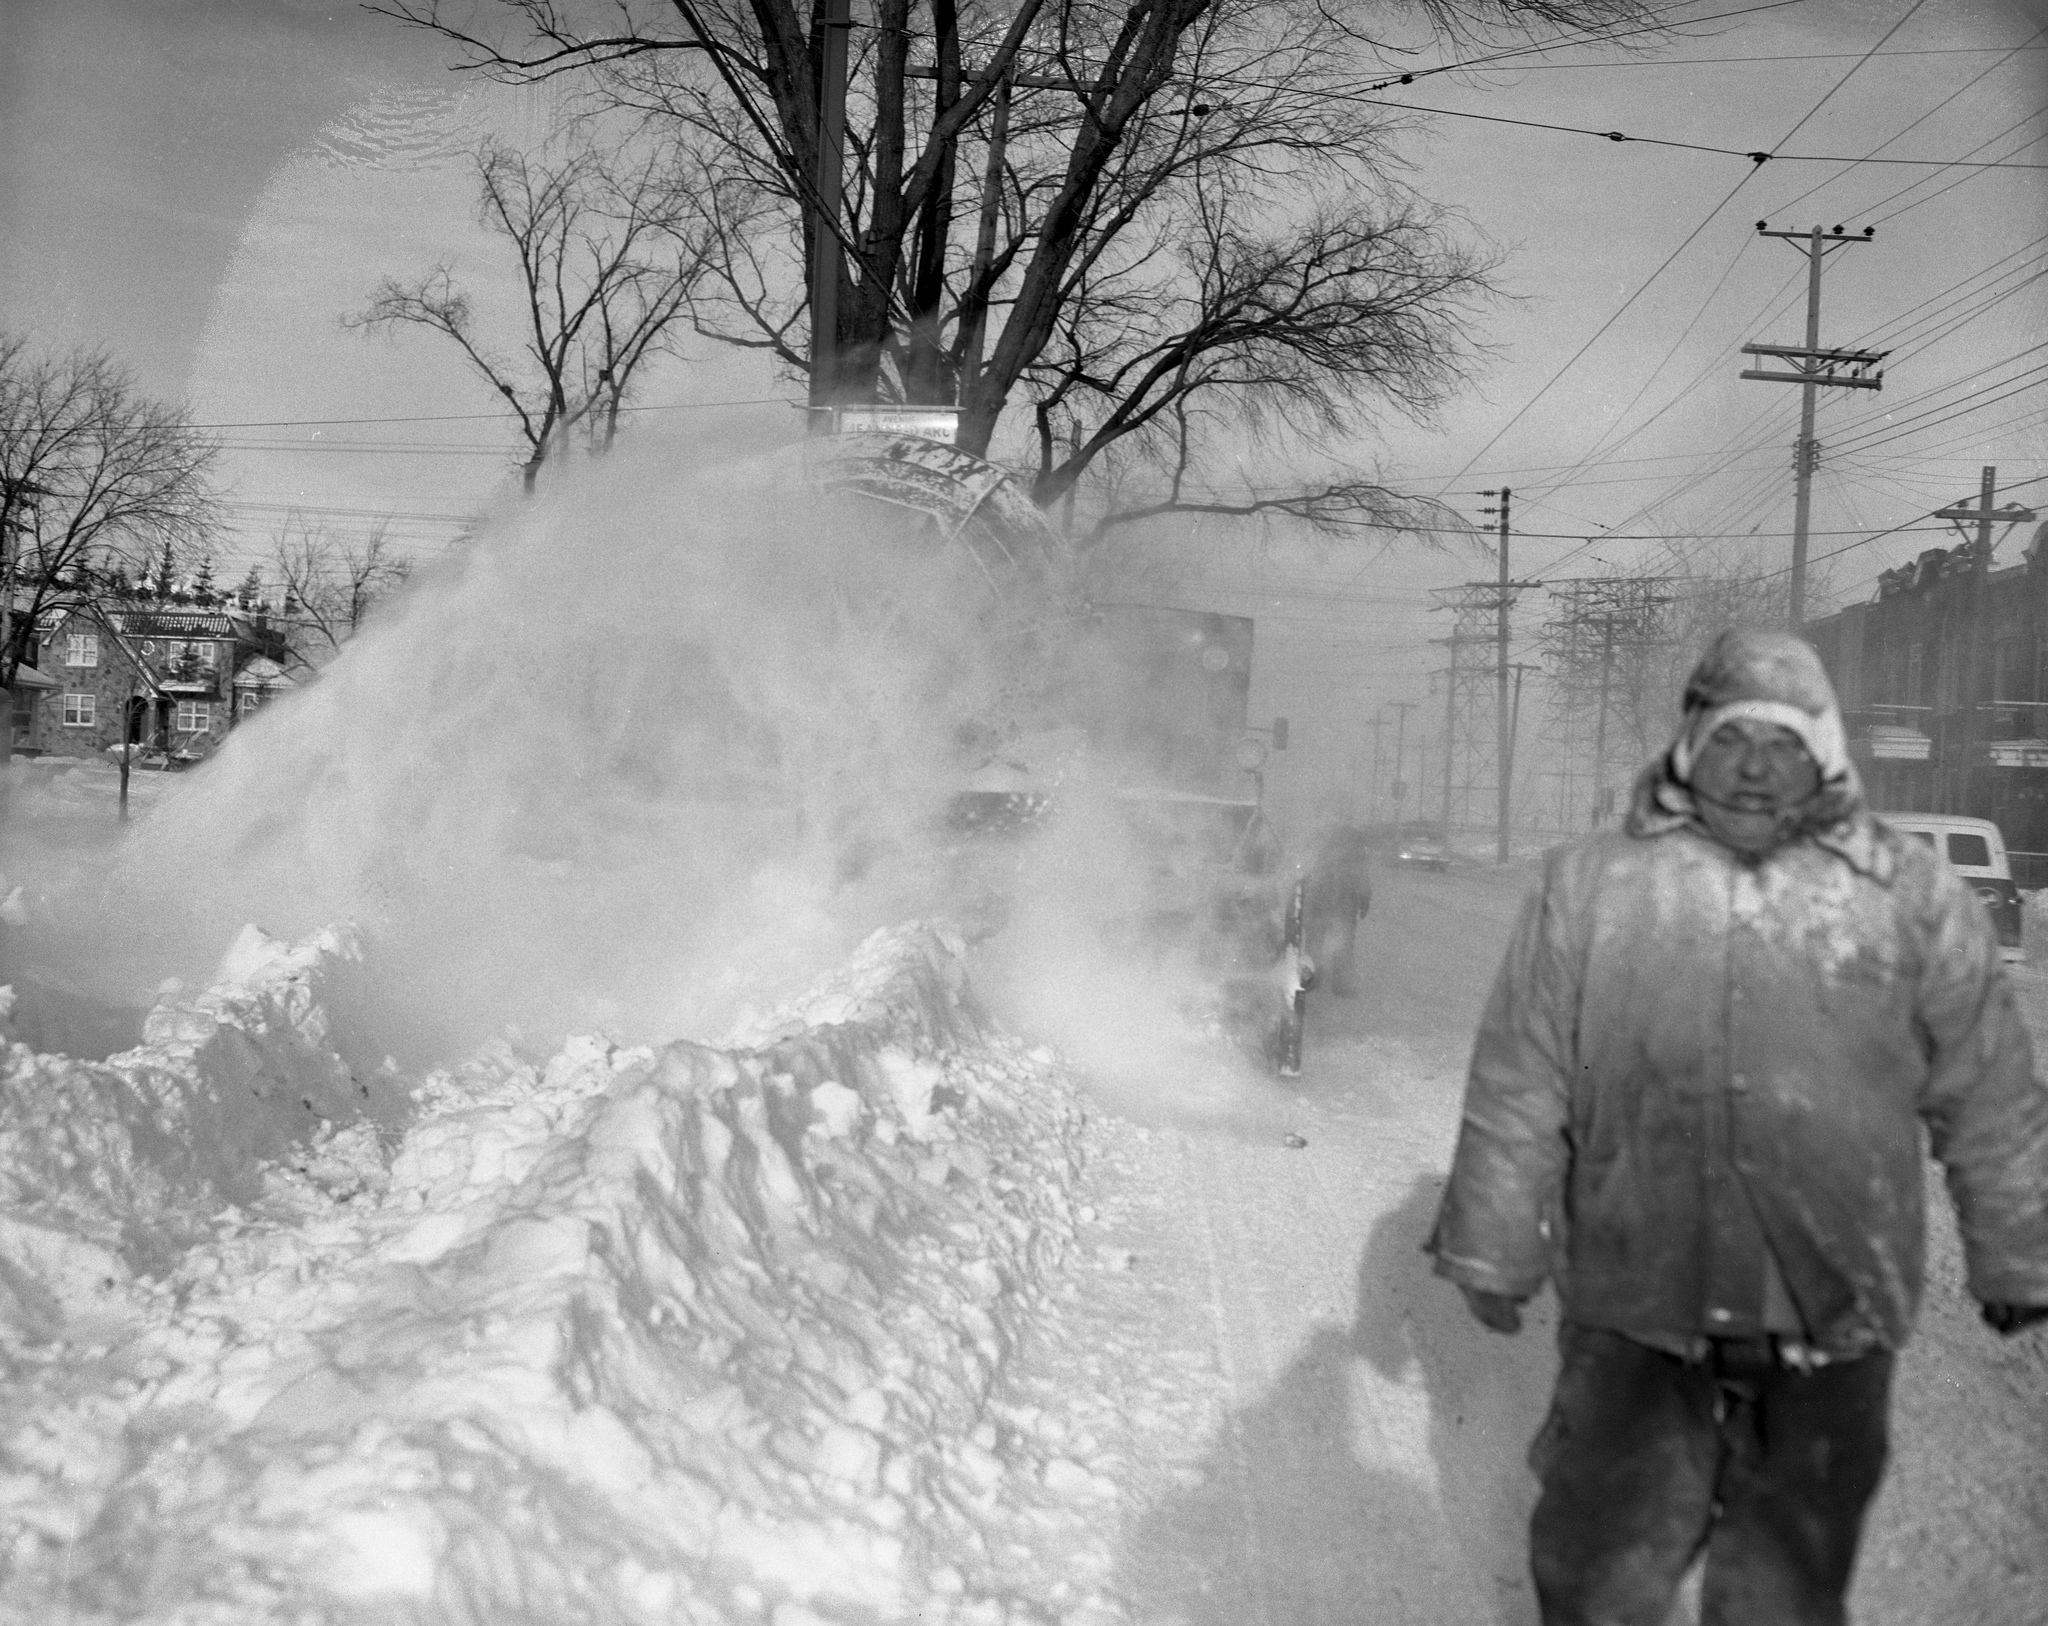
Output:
x=1246 y=338
x=93 y=476
x=608 y=254
x=328 y=582
x=1025 y=176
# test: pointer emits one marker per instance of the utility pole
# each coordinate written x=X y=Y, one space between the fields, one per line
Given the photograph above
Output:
x=1504 y=750
x=1597 y=619
x=1473 y=605
x=1521 y=670
x=1811 y=367
x=1400 y=785
x=1600 y=729
x=1372 y=800
x=1450 y=731
x=1983 y=516
x=831 y=22
x=1421 y=771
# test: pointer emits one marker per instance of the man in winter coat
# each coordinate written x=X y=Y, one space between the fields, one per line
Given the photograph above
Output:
x=1696 y=1107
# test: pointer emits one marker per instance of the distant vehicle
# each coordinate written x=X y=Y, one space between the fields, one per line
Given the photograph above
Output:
x=1975 y=849
x=1422 y=848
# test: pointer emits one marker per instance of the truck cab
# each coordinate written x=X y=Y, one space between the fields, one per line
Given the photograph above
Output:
x=1975 y=850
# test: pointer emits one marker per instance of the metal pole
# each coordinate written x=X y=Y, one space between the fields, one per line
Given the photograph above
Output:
x=1515 y=719
x=1450 y=733
x=1600 y=730
x=1803 y=453
x=1372 y=800
x=1975 y=646
x=831 y=21
x=1401 y=708
x=1503 y=751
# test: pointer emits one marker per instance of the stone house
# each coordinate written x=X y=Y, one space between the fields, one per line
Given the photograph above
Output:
x=173 y=674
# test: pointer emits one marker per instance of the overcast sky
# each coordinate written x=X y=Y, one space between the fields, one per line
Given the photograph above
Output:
x=204 y=186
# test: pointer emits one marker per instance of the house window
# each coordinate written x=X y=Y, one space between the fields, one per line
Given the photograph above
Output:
x=194 y=716
x=80 y=710
x=249 y=702
x=1916 y=668
x=82 y=649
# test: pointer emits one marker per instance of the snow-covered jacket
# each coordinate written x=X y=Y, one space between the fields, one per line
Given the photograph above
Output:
x=1690 y=1057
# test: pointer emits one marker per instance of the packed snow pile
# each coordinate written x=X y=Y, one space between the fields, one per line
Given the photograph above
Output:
x=685 y=1334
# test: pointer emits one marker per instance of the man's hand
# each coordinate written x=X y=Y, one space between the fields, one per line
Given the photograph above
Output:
x=1502 y=1313
x=2007 y=1319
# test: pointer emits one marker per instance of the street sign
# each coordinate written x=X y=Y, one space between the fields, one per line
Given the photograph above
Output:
x=941 y=423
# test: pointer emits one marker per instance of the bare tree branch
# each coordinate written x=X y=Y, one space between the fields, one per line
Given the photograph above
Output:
x=91 y=471
x=1173 y=201
x=328 y=582
x=609 y=256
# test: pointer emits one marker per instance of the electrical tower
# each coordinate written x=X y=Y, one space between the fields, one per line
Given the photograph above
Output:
x=1812 y=367
x=1602 y=645
x=1469 y=764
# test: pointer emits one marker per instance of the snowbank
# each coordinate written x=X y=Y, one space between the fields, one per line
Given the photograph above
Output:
x=669 y=1335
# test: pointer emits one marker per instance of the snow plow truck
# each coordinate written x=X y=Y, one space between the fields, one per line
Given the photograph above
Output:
x=1137 y=714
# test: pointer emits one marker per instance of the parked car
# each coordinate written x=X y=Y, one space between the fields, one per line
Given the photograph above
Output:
x=1422 y=848
x=1975 y=849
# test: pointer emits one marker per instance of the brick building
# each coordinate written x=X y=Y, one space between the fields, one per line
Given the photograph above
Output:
x=1943 y=678
x=174 y=674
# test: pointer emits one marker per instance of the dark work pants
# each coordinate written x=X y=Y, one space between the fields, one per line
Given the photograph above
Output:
x=1647 y=1459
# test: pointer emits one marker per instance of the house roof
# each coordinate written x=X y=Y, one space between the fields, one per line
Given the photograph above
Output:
x=27 y=677
x=264 y=673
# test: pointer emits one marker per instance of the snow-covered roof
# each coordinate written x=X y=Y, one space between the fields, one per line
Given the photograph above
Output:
x=264 y=673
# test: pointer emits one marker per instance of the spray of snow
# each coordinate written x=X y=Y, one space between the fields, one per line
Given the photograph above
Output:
x=655 y=745
x=1099 y=957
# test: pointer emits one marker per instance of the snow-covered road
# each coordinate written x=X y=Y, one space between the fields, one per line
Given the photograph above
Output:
x=1345 y=1448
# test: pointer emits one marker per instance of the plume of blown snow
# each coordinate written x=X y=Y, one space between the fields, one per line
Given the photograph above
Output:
x=654 y=746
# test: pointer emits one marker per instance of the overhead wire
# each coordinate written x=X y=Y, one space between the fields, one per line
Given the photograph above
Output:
x=1644 y=286
x=474 y=417
x=1591 y=458
x=1836 y=553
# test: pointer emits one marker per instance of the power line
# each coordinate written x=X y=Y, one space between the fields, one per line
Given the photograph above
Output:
x=1644 y=285
x=2017 y=485
x=473 y=417
x=1967 y=85
x=1960 y=180
x=1757 y=156
x=1802 y=56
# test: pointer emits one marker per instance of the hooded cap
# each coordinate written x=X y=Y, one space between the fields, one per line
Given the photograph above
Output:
x=1770 y=677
